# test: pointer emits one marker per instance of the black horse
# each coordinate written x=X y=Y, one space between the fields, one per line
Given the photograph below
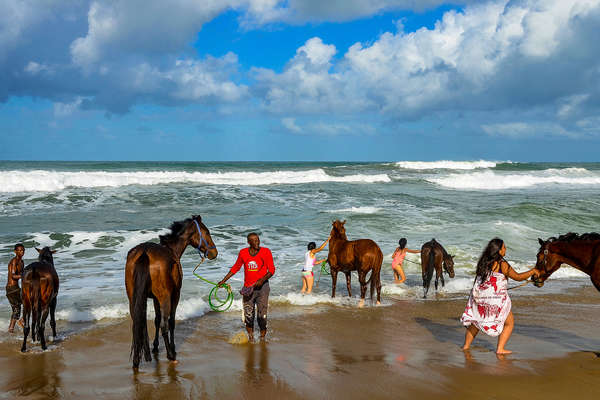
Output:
x=40 y=288
x=433 y=256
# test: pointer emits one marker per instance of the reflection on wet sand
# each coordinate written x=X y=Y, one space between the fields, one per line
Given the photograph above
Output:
x=35 y=373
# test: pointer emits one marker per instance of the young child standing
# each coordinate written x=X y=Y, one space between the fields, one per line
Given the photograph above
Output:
x=13 y=291
x=398 y=259
x=310 y=259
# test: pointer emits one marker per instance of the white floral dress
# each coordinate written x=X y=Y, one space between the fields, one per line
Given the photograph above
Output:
x=488 y=305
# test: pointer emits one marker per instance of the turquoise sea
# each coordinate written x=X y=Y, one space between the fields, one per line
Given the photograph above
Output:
x=94 y=212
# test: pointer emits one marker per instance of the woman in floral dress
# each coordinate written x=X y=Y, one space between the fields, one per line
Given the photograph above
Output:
x=489 y=307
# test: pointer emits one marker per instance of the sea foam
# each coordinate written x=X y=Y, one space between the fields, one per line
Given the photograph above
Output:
x=49 y=181
x=443 y=164
x=489 y=180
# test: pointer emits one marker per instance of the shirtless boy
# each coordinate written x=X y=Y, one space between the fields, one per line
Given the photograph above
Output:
x=13 y=291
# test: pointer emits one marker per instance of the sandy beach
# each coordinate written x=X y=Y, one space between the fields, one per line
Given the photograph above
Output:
x=409 y=349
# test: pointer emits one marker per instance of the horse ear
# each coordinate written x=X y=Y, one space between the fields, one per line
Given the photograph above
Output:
x=197 y=218
x=541 y=242
x=38 y=250
x=344 y=222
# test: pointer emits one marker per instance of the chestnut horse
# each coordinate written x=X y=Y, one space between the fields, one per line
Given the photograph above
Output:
x=153 y=271
x=578 y=251
x=434 y=256
x=39 y=291
x=361 y=255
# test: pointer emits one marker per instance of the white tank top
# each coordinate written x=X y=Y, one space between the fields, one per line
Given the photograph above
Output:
x=308 y=262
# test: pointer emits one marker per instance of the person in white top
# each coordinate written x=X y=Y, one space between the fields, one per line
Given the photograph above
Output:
x=310 y=259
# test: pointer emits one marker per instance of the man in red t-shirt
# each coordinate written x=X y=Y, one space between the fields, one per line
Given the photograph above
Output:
x=258 y=268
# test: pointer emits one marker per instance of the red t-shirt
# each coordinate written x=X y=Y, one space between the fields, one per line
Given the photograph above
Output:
x=254 y=267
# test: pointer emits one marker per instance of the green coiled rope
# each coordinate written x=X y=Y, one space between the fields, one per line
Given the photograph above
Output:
x=215 y=302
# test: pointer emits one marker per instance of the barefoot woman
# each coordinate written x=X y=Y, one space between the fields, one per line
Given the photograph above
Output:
x=489 y=307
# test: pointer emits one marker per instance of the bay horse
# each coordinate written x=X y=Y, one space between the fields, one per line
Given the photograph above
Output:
x=361 y=255
x=433 y=257
x=579 y=251
x=39 y=291
x=153 y=270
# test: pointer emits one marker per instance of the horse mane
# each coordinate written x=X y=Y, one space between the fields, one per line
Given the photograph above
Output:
x=177 y=228
x=572 y=236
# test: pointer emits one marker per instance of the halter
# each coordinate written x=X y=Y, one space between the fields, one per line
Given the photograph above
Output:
x=202 y=241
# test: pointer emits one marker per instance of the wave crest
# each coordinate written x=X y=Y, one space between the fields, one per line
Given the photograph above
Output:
x=488 y=180
x=444 y=164
x=50 y=181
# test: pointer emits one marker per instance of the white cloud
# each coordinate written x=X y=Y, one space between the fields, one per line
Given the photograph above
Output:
x=290 y=124
x=142 y=27
x=35 y=68
x=65 y=109
x=262 y=12
x=488 y=57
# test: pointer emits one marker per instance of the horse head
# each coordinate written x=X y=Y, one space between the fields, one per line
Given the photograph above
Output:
x=547 y=262
x=449 y=265
x=202 y=239
x=338 y=230
x=45 y=255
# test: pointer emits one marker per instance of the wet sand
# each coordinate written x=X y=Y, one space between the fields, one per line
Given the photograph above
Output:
x=409 y=349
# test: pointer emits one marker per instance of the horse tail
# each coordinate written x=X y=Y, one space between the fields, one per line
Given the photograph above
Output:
x=376 y=270
x=36 y=314
x=429 y=272
x=139 y=341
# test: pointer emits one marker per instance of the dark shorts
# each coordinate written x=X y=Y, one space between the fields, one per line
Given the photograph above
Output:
x=13 y=294
x=258 y=301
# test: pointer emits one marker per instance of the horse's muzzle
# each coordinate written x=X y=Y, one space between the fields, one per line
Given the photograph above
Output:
x=212 y=254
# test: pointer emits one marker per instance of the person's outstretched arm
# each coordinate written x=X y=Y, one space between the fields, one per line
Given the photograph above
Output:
x=320 y=247
x=413 y=251
x=514 y=275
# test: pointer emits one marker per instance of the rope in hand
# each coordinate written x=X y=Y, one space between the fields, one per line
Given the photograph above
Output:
x=323 y=271
x=215 y=302
x=521 y=285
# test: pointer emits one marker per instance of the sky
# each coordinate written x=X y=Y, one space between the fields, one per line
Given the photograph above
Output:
x=300 y=80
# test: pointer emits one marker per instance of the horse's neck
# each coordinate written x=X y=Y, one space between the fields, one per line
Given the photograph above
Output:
x=572 y=254
x=337 y=241
x=179 y=246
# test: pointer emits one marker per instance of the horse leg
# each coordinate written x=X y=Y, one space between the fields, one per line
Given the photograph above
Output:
x=174 y=303
x=42 y=327
x=363 y=287
x=165 y=310
x=437 y=276
x=348 y=278
x=52 y=320
x=333 y=280
x=26 y=315
x=442 y=278
x=156 y=327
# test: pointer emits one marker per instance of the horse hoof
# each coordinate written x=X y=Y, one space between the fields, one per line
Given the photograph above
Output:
x=23 y=349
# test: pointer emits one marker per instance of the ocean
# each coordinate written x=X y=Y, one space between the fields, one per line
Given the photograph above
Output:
x=92 y=213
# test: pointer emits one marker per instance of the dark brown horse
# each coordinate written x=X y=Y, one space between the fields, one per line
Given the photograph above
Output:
x=153 y=271
x=578 y=251
x=361 y=255
x=39 y=291
x=434 y=256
